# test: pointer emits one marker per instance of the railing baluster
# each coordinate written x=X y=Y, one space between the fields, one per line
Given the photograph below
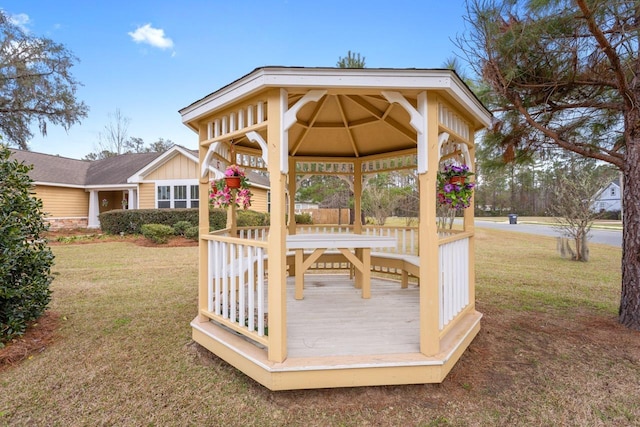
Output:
x=225 y=279
x=211 y=275
x=251 y=292
x=260 y=281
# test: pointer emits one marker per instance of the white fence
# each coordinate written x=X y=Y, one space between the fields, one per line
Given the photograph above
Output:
x=237 y=286
x=454 y=279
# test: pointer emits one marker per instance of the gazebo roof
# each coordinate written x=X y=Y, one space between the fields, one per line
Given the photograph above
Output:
x=351 y=118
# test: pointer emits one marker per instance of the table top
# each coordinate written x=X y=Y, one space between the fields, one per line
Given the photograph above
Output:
x=339 y=240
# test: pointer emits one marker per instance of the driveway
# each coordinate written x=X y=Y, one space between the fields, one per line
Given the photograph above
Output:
x=596 y=235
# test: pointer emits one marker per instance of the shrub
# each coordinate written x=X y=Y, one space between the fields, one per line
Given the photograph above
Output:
x=217 y=219
x=180 y=227
x=614 y=215
x=25 y=258
x=130 y=221
x=192 y=233
x=304 y=218
x=252 y=219
x=158 y=233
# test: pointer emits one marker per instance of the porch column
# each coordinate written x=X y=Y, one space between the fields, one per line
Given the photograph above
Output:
x=469 y=226
x=203 y=226
x=94 y=210
x=293 y=177
x=428 y=229
x=131 y=199
x=277 y=242
x=357 y=196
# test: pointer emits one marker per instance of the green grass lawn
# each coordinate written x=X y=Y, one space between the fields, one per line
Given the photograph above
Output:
x=549 y=353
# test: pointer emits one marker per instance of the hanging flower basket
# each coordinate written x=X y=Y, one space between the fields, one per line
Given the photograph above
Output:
x=457 y=180
x=453 y=190
x=232 y=181
x=233 y=189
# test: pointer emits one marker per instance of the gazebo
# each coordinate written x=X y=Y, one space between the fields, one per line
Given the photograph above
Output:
x=269 y=303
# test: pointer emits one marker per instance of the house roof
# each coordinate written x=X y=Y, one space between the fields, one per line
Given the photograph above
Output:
x=116 y=170
x=347 y=113
x=54 y=169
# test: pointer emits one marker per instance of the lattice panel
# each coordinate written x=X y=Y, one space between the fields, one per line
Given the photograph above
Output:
x=325 y=167
x=390 y=163
x=250 y=161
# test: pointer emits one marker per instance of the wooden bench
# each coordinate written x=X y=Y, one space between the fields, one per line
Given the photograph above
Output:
x=381 y=262
x=404 y=265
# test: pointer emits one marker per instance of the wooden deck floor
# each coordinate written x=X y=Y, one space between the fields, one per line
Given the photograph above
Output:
x=334 y=320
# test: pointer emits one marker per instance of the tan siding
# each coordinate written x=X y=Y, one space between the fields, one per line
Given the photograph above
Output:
x=147 y=195
x=178 y=167
x=259 y=199
x=63 y=202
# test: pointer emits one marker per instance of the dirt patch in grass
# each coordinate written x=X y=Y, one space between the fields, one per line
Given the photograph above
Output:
x=39 y=335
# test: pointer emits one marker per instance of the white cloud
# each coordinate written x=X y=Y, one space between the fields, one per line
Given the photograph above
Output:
x=21 y=20
x=152 y=36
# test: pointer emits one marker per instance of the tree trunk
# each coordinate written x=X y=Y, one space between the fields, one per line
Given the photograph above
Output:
x=629 y=313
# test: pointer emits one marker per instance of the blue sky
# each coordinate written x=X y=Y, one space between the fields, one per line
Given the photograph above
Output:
x=151 y=58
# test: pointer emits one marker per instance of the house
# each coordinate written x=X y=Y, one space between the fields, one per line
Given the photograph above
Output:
x=264 y=304
x=609 y=198
x=74 y=192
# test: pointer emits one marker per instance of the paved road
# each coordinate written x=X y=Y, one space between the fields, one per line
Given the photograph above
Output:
x=606 y=237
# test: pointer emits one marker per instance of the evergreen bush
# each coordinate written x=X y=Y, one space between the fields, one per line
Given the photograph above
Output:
x=252 y=219
x=157 y=233
x=25 y=258
x=181 y=226
x=304 y=218
x=130 y=221
x=192 y=233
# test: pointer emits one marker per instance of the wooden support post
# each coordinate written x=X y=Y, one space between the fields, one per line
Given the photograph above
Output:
x=357 y=196
x=428 y=237
x=277 y=279
x=203 y=228
x=292 y=195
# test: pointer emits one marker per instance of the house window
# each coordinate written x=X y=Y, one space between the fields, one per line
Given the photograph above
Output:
x=194 y=196
x=164 y=196
x=269 y=201
x=177 y=194
x=180 y=196
x=613 y=192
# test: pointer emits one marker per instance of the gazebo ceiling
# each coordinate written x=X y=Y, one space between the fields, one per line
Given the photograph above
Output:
x=352 y=118
x=350 y=126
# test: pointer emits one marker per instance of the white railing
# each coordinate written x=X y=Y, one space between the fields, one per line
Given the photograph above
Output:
x=406 y=237
x=237 y=286
x=254 y=233
x=323 y=228
x=243 y=262
x=454 y=279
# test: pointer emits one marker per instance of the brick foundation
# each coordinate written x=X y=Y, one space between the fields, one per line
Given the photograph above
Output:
x=66 y=223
